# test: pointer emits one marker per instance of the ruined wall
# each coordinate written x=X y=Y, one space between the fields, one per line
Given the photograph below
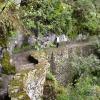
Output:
x=28 y=84
x=59 y=59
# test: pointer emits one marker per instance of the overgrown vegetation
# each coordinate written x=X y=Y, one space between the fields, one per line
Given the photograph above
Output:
x=7 y=67
x=85 y=84
x=6 y=26
x=53 y=90
x=62 y=17
x=70 y=17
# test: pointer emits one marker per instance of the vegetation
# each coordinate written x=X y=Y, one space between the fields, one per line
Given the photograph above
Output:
x=6 y=26
x=7 y=67
x=69 y=17
x=53 y=90
x=86 y=81
x=85 y=84
x=62 y=17
x=49 y=76
x=86 y=88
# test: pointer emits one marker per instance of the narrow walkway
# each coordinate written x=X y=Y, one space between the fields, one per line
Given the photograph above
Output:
x=21 y=62
x=20 y=59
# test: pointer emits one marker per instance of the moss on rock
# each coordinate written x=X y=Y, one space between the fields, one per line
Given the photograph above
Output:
x=40 y=55
x=7 y=67
x=53 y=90
x=16 y=87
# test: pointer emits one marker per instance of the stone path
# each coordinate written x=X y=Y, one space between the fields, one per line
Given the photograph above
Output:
x=20 y=59
x=21 y=62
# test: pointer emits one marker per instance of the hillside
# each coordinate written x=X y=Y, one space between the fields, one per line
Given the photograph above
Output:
x=49 y=49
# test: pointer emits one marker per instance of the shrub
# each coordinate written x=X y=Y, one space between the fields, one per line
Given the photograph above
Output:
x=62 y=97
x=85 y=89
x=59 y=92
x=85 y=65
x=48 y=16
x=61 y=17
x=86 y=79
x=50 y=77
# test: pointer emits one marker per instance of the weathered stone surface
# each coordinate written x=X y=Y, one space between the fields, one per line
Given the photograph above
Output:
x=28 y=83
x=59 y=59
x=1 y=53
x=34 y=82
x=0 y=68
x=81 y=37
x=4 y=80
x=40 y=55
x=31 y=40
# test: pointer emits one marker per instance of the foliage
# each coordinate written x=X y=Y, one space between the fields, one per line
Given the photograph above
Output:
x=85 y=88
x=85 y=65
x=53 y=89
x=87 y=85
x=6 y=29
x=23 y=48
x=48 y=16
x=86 y=80
x=37 y=46
x=60 y=16
x=86 y=15
x=7 y=67
x=50 y=77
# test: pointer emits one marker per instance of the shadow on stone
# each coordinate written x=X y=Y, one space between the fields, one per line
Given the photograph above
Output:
x=32 y=60
x=5 y=97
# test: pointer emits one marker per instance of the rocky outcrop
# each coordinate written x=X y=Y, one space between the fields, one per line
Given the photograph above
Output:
x=34 y=82
x=28 y=84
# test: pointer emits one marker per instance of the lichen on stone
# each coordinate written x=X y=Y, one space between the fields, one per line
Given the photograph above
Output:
x=29 y=82
x=16 y=86
x=40 y=55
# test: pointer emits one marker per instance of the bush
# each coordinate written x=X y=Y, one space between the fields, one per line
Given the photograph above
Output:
x=61 y=17
x=86 y=79
x=62 y=97
x=59 y=92
x=7 y=67
x=48 y=16
x=85 y=89
x=85 y=65
x=50 y=77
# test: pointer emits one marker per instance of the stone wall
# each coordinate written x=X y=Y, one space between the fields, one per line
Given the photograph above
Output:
x=28 y=84
x=59 y=59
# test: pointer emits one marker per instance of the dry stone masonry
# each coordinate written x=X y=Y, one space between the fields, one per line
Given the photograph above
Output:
x=59 y=59
x=28 y=83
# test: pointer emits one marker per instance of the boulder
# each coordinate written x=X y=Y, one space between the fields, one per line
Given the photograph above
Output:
x=31 y=40
x=17 y=2
x=63 y=38
x=81 y=37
